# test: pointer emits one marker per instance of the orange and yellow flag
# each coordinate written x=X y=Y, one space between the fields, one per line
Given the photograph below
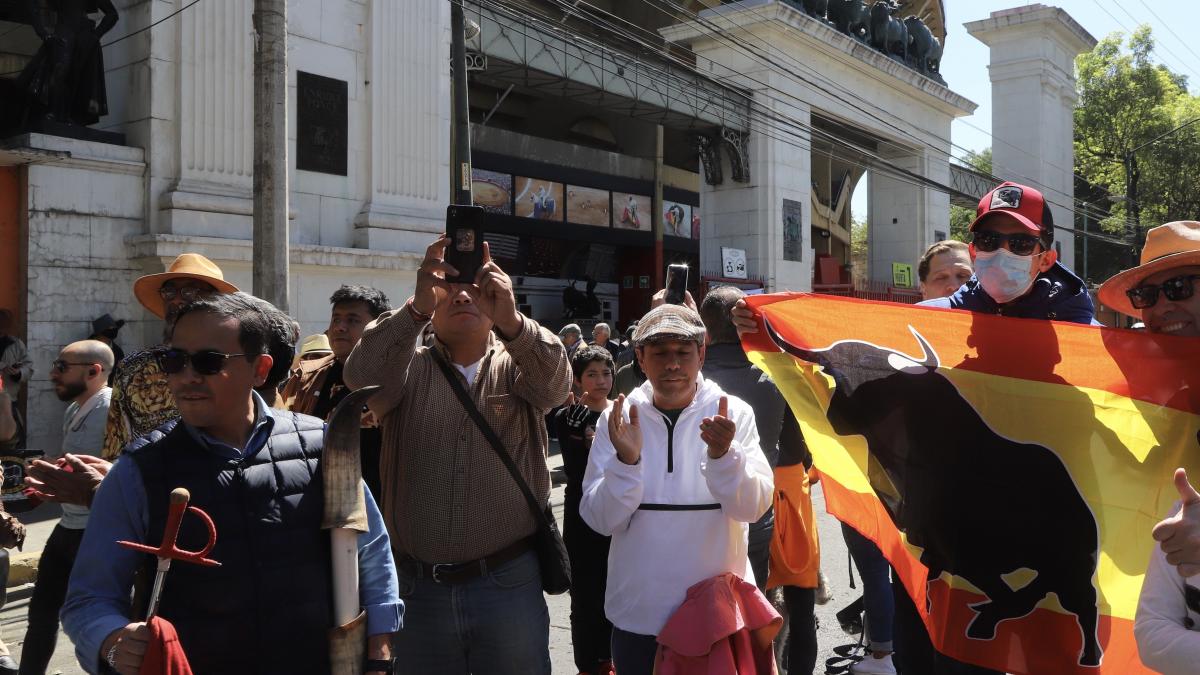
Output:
x=1010 y=469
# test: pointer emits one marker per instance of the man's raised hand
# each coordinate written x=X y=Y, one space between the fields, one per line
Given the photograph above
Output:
x=717 y=432
x=626 y=436
x=493 y=294
x=1179 y=535
x=431 y=277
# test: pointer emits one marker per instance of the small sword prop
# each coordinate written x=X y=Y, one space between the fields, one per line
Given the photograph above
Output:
x=168 y=551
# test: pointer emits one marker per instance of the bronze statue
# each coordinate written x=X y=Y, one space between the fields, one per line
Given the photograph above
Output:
x=816 y=8
x=888 y=34
x=924 y=50
x=851 y=17
x=65 y=80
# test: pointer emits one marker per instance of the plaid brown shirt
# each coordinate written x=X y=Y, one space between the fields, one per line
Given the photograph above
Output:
x=446 y=495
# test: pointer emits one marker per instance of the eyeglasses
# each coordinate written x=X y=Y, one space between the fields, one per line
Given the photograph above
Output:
x=188 y=293
x=1176 y=289
x=205 y=362
x=1020 y=244
x=59 y=366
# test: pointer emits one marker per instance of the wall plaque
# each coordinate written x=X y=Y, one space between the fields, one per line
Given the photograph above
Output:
x=321 y=124
x=793 y=235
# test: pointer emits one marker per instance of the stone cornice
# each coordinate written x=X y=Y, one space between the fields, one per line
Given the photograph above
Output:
x=75 y=154
x=1017 y=23
x=167 y=246
x=766 y=15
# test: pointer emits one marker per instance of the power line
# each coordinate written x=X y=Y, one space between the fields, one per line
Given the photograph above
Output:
x=1137 y=22
x=716 y=33
x=1167 y=26
x=766 y=123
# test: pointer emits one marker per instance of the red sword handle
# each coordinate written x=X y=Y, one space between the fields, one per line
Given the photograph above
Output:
x=168 y=548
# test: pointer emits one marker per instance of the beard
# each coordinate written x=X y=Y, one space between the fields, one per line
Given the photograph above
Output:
x=69 y=390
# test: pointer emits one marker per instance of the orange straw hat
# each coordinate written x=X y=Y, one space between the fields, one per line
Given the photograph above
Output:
x=1167 y=246
x=186 y=266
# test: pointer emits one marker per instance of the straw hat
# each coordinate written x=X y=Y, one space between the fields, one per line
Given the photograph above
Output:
x=1167 y=246
x=186 y=266
x=313 y=346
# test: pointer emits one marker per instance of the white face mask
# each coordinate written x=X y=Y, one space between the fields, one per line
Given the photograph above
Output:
x=1004 y=275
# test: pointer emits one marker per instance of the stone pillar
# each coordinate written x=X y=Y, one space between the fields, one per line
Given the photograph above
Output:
x=409 y=127
x=1032 y=69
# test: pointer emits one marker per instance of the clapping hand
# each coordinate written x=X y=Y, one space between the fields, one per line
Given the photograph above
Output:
x=718 y=431
x=626 y=437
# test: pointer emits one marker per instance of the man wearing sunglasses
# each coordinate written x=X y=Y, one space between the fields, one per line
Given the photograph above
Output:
x=80 y=376
x=256 y=471
x=1017 y=272
x=141 y=400
x=1161 y=291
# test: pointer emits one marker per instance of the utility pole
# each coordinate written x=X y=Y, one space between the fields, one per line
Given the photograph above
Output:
x=270 y=152
x=460 y=156
x=1085 y=242
x=656 y=211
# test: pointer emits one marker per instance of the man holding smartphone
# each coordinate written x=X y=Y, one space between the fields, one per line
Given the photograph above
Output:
x=460 y=525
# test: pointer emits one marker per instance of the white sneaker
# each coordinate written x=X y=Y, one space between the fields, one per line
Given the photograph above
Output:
x=874 y=666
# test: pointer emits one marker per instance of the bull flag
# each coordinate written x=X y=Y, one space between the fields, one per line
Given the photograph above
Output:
x=1011 y=470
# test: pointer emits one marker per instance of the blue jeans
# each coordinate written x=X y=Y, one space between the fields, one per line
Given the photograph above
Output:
x=496 y=624
x=633 y=654
x=875 y=572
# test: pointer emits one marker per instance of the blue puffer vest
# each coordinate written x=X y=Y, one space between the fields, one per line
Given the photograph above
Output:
x=266 y=609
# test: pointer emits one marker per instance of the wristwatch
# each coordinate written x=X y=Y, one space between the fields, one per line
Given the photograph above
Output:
x=385 y=666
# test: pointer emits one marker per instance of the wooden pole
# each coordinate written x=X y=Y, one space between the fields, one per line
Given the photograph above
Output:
x=270 y=153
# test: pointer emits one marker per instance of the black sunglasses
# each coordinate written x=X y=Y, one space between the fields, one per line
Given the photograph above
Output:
x=1020 y=244
x=188 y=293
x=1176 y=289
x=205 y=362
x=59 y=366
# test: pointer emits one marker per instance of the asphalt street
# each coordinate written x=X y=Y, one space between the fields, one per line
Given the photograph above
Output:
x=41 y=521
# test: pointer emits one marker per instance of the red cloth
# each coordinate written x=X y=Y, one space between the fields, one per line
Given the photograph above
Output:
x=164 y=654
x=724 y=627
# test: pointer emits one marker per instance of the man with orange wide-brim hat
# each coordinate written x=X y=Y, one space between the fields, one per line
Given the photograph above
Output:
x=141 y=400
x=1161 y=291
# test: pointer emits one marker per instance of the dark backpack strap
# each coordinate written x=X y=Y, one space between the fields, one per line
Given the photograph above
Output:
x=488 y=433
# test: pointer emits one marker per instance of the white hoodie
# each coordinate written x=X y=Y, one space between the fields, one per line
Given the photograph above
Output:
x=1166 y=629
x=656 y=555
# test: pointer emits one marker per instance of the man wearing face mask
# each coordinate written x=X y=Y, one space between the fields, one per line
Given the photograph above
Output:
x=1017 y=272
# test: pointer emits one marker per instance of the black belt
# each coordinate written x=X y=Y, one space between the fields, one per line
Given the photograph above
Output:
x=678 y=507
x=457 y=573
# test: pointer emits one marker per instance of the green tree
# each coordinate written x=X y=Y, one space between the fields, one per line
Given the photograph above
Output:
x=1125 y=143
x=859 y=248
x=961 y=217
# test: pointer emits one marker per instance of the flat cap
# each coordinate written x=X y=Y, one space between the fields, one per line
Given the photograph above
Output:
x=669 y=322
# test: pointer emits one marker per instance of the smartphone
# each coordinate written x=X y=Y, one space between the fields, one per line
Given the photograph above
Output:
x=677 y=280
x=464 y=226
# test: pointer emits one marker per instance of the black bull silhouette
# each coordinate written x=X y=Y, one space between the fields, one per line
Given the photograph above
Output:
x=978 y=504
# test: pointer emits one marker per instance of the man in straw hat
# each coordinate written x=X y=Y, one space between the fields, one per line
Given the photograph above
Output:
x=1161 y=291
x=141 y=400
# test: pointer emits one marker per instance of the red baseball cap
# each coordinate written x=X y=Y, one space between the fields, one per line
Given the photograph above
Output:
x=1020 y=203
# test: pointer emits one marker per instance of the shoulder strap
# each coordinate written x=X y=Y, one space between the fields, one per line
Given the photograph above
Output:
x=488 y=433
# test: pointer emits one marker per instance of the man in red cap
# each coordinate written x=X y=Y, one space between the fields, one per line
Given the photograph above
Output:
x=1017 y=272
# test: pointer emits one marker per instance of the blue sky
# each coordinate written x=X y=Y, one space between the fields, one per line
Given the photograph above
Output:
x=965 y=62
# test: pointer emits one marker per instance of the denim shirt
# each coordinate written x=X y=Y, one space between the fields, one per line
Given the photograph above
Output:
x=98 y=598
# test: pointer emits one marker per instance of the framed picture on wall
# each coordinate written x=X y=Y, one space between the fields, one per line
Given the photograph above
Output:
x=587 y=206
x=631 y=211
x=492 y=190
x=677 y=219
x=537 y=198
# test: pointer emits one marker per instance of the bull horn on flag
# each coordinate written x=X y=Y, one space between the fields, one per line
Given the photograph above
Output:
x=1011 y=473
x=345 y=517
